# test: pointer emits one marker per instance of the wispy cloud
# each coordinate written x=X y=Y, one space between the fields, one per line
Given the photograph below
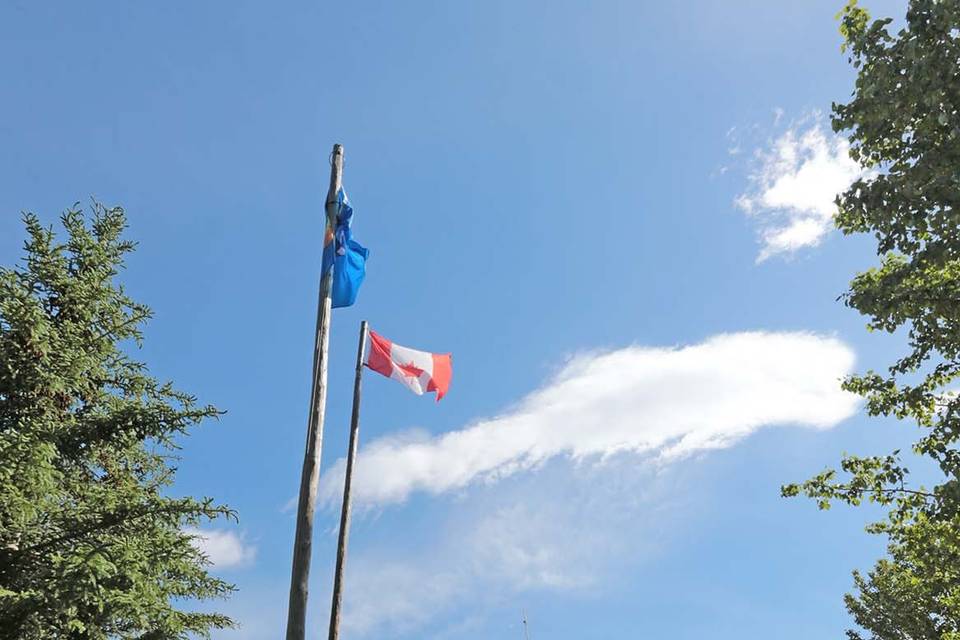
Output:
x=225 y=549
x=794 y=185
x=568 y=529
x=400 y=596
x=669 y=402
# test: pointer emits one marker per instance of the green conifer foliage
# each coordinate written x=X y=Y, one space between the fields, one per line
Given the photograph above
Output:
x=92 y=542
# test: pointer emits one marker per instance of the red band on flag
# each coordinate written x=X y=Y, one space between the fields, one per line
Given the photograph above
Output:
x=378 y=357
x=442 y=373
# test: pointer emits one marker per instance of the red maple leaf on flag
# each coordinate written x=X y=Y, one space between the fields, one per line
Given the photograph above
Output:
x=410 y=370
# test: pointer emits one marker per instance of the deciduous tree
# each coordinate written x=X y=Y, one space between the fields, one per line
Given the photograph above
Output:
x=903 y=121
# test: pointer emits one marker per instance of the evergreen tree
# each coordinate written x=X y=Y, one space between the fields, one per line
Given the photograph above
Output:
x=91 y=543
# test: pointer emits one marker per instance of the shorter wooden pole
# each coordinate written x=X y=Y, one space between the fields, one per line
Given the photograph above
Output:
x=347 y=481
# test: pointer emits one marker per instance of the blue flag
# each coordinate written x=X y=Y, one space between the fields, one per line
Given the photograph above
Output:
x=345 y=255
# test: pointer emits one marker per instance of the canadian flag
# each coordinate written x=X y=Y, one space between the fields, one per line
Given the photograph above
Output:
x=419 y=370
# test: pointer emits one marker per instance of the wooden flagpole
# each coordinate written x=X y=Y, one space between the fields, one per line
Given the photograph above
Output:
x=300 y=572
x=347 y=481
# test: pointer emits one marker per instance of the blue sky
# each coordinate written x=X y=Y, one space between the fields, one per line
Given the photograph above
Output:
x=614 y=214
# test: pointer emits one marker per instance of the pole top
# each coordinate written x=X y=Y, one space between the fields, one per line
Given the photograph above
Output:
x=336 y=156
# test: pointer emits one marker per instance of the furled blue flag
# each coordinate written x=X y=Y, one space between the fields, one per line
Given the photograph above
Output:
x=345 y=255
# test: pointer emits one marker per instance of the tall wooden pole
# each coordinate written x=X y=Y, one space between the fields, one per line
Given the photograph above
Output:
x=347 y=482
x=300 y=573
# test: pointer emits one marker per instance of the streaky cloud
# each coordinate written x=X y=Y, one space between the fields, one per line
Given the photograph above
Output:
x=666 y=402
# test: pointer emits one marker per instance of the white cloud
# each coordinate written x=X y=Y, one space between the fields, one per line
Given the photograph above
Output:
x=794 y=185
x=399 y=596
x=225 y=549
x=290 y=505
x=569 y=530
x=778 y=114
x=667 y=402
